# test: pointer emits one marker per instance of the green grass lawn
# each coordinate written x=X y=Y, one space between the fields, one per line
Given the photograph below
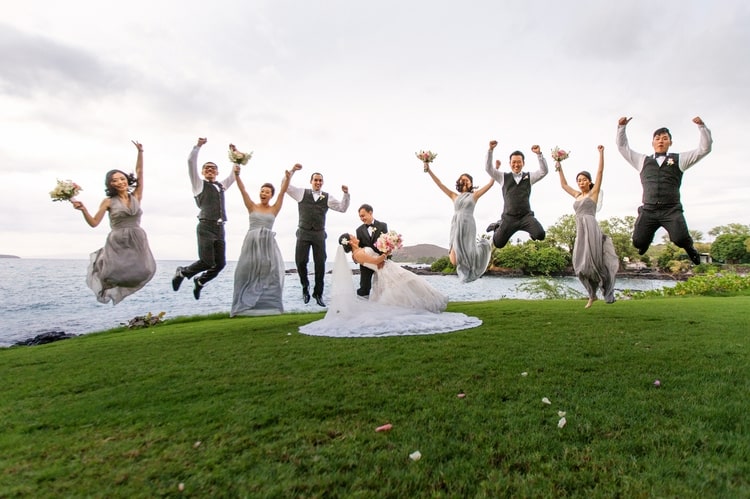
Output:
x=248 y=407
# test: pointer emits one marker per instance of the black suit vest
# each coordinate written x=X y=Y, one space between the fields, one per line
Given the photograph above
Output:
x=211 y=202
x=516 y=195
x=312 y=214
x=661 y=184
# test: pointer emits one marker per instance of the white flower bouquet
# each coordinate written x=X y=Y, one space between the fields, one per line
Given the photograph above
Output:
x=426 y=157
x=389 y=242
x=238 y=157
x=65 y=190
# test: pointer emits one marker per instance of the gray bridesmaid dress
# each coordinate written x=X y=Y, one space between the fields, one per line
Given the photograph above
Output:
x=472 y=256
x=594 y=259
x=259 y=276
x=125 y=263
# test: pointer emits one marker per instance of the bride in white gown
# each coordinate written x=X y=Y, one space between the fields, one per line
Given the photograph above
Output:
x=401 y=303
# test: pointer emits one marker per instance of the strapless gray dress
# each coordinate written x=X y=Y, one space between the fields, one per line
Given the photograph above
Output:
x=594 y=259
x=259 y=276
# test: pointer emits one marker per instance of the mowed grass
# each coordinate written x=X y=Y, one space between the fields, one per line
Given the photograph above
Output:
x=248 y=407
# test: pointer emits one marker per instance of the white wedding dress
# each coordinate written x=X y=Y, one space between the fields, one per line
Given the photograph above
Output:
x=400 y=304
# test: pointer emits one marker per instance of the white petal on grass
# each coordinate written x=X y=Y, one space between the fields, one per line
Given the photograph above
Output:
x=546 y=400
x=561 y=414
x=415 y=456
x=524 y=373
x=562 y=422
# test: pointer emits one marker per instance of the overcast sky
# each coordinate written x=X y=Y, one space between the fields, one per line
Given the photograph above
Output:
x=352 y=89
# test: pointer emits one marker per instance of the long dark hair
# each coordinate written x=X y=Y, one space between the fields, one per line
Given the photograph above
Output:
x=109 y=191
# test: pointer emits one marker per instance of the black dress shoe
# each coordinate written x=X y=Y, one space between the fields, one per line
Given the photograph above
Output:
x=197 y=288
x=319 y=301
x=492 y=227
x=695 y=257
x=305 y=296
x=177 y=279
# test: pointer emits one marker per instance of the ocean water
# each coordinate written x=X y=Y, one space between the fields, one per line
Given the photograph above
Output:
x=38 y=296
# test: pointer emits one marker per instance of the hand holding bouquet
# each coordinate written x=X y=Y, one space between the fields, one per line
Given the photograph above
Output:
x=65 y=190
x=237 y=157
x=389 y=242
x=559 y=155
x=426 y=157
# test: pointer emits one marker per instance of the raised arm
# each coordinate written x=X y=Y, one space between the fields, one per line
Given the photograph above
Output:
x=437 y=181
x=138 y=192
x=282 y=190
x=634 y=158
x=542 y=171
x=599 y=173
x=249 y=203
x=564 y=183
x=195 y=179
x=480 y=192
x=342 y=205
x=688 y=159
x=493 y=172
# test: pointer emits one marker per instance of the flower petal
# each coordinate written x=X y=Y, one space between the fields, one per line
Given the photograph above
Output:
x=546 y=400
x=562 y=422
x=415 y=456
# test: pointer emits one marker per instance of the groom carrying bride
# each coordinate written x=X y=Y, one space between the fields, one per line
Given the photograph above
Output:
x=368 y=234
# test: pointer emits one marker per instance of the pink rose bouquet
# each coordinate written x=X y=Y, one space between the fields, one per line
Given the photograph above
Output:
x=389 y=242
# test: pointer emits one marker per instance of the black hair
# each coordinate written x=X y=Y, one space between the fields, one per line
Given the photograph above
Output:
x=587 y=175
x=365 y=207
x=270 y=186
x=316 y=173
x=458 y=182
x=517 y=153
x=344 y=242
x=109 y=191
x=662 y=130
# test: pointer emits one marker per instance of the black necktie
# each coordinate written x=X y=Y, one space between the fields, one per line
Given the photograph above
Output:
x=660 y=155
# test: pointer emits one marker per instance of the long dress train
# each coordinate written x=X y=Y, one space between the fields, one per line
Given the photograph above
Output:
x=472 y=255
x=125 y=263
x=350 y=316
x=594 y=259
x=259 y=276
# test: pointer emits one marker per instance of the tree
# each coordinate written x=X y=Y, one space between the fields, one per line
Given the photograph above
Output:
x=620 y=230
x=733 y=228
x=532 y=257
x=696 y=235
x=731 y=248
x=563 y=232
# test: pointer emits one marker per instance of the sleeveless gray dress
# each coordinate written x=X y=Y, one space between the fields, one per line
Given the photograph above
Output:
x=125 y=263
x=259 y=276
x=594 y=259
x=472 y=256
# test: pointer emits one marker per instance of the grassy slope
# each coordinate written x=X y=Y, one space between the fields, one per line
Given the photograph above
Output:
x=250 y=407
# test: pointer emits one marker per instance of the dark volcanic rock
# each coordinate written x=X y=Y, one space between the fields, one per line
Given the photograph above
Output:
x=44 y=338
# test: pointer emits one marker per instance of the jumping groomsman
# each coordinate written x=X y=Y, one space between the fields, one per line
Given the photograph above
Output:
x=209 y=196
x=516 y=188
x=661 y=177
x=313 y=206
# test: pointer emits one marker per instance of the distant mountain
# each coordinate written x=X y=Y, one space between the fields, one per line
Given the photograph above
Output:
x=9 y=256
x=418 y=252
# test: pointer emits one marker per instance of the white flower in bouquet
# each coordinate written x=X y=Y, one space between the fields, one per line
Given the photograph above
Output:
x=389 y=242
x=426 y=157
x=238 y=157
x=65 y=190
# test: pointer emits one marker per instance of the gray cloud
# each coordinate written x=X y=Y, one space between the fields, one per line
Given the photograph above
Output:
x=33 y=64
